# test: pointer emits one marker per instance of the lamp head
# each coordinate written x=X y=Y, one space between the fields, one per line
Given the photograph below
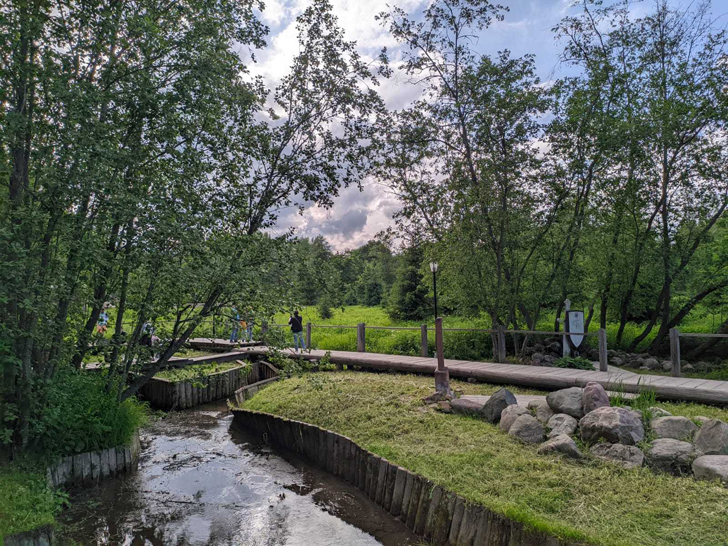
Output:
x=433 y=267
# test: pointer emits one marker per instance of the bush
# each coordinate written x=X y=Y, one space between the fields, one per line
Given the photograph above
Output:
x=324 y=309
x=577 y=363
x=80 y=416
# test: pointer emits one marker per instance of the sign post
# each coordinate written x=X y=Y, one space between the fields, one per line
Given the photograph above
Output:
x=574 y=323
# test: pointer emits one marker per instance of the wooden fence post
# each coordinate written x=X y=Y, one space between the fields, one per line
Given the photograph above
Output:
x=675 y=351
x=308 y=335
x=501 y=335
x=264 y=327
x=214 y=333
x=361 y=342
x=423 y=332
x=603 y=359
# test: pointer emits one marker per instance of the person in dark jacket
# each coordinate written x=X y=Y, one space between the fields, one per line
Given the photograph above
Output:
x=296 y=324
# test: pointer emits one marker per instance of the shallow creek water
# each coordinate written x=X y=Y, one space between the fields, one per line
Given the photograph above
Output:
x=203 y=481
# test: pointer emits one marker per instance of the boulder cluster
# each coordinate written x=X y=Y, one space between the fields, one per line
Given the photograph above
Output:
x=546 y=353
x=619 y=435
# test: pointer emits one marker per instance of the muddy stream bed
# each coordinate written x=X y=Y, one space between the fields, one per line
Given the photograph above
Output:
x=203 y=480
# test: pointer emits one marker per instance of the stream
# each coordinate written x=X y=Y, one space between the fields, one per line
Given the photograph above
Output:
x=202 y=480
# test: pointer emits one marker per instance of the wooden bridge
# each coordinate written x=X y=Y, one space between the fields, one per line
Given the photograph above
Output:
x=704 y=391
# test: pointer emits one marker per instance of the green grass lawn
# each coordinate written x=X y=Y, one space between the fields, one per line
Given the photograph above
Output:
x=26 y=502
x=589 y=501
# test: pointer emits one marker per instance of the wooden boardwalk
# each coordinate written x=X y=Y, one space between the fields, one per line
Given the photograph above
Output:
x=666 y=388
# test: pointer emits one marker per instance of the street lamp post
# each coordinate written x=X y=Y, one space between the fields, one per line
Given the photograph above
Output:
x=433 y=268
x=442 y=374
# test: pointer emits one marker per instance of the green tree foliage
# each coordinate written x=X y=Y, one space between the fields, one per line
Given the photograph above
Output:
x=607 y=187
x=140 y=165
x=409 y=297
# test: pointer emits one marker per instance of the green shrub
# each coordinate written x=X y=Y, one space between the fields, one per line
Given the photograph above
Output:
x=574 y=363
x=80 y=416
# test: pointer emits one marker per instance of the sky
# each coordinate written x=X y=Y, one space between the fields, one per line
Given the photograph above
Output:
x=357 y=216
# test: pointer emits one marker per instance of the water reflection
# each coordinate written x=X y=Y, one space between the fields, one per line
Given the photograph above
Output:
x=202 y=481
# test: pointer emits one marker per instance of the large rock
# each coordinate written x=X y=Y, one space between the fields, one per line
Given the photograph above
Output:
x=463 y=406
x=527 y=429
x=509 y=416
x=678 y=428
x=711 y=467
x=594 y=396
x=566 y=401
x=541 y=409
x=495 y=405
x=615 y=425
x=561 y=424
x=563 y=444
x=624 y=456
x=672 y=456
x=652 y=364
x=712 y=438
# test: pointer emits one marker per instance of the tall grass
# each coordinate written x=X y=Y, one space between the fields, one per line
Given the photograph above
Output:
x=80 y=416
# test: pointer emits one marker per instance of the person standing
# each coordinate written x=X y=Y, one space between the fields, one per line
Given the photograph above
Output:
x=235 y=321
x=296 y=323
x=249 y=323
x=102 y=325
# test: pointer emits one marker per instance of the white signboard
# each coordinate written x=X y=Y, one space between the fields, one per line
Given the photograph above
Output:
x=575 y=323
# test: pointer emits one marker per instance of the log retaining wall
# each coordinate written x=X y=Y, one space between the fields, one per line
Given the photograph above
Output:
x=167 y=394
x=92 y=466
x=430 y=511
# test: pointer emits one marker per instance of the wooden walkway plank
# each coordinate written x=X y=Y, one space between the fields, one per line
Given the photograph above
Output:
x=670 y=388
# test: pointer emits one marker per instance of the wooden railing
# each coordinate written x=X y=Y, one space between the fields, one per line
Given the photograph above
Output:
x=499 y=339
x=498 y=335
x=675 y=336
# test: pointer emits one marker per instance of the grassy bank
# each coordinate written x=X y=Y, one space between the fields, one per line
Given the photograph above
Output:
x=196 y=371
x=26 y=502
x=593 y=502
x=79 y=416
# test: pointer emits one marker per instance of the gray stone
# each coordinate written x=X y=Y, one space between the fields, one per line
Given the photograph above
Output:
x=561 y=424
x=652 y=364
x=711 y=467
x=615 y=425
x=666 y=366
x=616 y=361
x=625 y=456
x=527 y=429
x=567 y=401
x=672 y=456
x=712 y=438
x=495 y=405
x=542 y=410
x=563 y=444
x=464 y=406
x=537 y=356
x=700 y=420
x=659 y=412
x=509 y=416
x=678 y=428
x=594 y=396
